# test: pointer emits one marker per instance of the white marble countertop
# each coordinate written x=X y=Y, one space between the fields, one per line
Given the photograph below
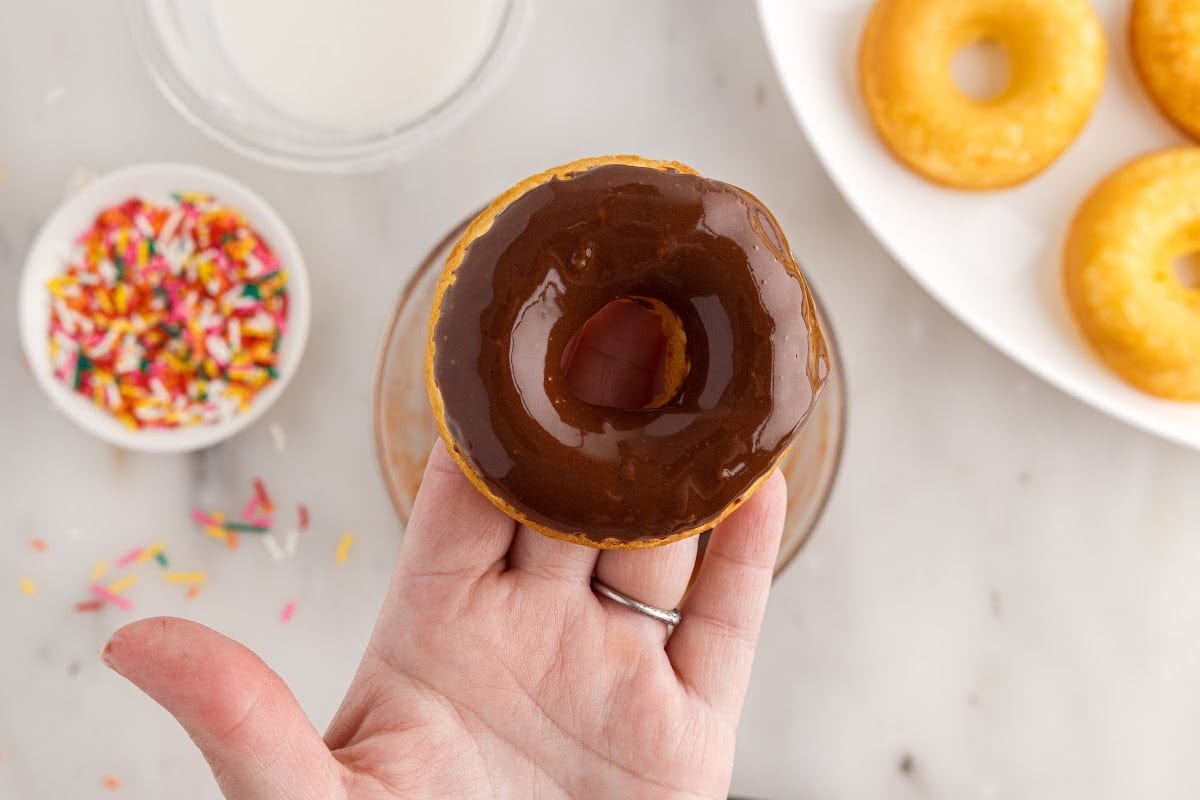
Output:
x=1001 y=601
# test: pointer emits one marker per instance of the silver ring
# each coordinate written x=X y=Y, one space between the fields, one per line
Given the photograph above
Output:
x=672 y=617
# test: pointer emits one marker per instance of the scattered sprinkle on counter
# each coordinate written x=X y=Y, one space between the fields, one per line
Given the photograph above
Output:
x=169 y=314
x=39 y=545
x=278 y=438
x=117 y=587
x=111 y=597
x=114 y=593
x=27 y=587
x=261 y=497
x=258 y=519
x=343 y=548
x=185 y=577
x=130 y=557
x=111 y=783
x=289 y=611
x=274 y=548
x=153 y=551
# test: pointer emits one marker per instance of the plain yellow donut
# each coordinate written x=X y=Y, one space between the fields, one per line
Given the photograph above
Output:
x=1118 y=269
x=1057 y=55
x=1165 y=38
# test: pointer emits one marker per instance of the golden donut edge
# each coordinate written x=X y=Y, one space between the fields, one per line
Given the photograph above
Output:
x=1121 y=361
x=479 y=226
x=871 y=103
x=1142 y=63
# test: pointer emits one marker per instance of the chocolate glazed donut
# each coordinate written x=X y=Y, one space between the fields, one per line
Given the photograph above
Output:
x=745 y=364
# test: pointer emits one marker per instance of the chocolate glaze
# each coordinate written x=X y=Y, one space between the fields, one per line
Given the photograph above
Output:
x=711 y=253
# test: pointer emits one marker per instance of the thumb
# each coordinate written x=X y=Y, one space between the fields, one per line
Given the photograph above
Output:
x=240 y=714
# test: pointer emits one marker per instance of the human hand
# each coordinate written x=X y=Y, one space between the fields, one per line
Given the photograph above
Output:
x=494 y=670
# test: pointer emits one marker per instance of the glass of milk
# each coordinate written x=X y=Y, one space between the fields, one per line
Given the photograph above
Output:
x=325 y=85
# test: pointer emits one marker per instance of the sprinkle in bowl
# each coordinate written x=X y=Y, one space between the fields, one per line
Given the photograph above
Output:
x=185 y=332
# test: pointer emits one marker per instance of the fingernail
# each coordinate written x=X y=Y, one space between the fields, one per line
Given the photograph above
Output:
x=105 y=654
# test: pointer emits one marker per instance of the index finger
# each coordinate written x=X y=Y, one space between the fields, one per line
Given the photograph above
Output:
x=454 y=529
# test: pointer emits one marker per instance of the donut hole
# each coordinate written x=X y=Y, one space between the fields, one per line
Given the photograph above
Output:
x=982 y=70
x=1186 y=269
x=628 y=355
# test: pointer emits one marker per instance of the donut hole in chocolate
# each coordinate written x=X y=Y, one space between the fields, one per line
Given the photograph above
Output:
x=628 y=355
x=982 y=70
x=1186 y=269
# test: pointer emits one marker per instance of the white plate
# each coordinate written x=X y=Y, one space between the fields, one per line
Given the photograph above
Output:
x=73 y=217
x=992 y=259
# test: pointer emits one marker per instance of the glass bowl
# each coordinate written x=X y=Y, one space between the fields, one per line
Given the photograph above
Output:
x=405 y=430
x=183 y=46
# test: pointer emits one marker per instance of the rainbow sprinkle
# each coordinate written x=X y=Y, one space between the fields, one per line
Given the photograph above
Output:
x=278 y=438
x=289 y=610
x=250 y=509
x=114 y=593
x=246 y=527
x=263 y=499
x=185 y=577
x=216 y=526
x=27 y=587
x=343 y=548
x=130 y=557
x=274 y=549
x=153 y=551
x=117 y=587
x=257 y=519
x=115 y=599
x=170 y=313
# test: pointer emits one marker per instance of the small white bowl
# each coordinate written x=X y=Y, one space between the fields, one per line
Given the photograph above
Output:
x=74 y=216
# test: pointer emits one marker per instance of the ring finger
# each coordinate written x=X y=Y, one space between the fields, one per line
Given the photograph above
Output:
x=656 y=577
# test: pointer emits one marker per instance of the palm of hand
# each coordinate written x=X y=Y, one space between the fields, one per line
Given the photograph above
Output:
x=506 y=684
